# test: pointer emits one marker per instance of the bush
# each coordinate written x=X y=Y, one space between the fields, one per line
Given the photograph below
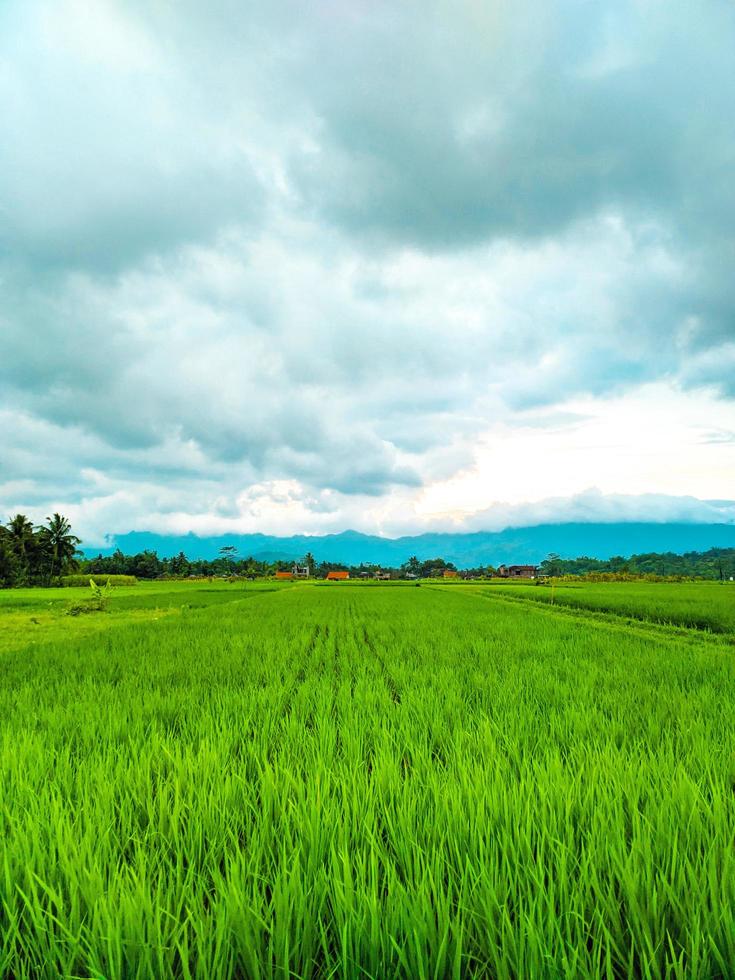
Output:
x=97 y=601
x=77 y=580
x=622 y=577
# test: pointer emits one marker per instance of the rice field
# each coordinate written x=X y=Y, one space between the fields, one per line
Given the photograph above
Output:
x=699 y=605
x=216 y=781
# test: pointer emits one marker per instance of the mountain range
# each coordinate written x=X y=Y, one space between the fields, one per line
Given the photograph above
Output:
x=518 y=545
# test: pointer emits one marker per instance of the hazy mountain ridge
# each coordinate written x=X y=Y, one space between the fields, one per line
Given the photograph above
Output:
x=521 y=545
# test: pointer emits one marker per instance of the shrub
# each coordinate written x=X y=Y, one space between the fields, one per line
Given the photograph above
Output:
x=77 y=580
x=97 y=601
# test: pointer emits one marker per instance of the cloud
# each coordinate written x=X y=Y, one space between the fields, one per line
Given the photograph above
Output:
x=106 y=156
x=592 y=505
x=452 y=124
x=267 y=351
x=332 y=247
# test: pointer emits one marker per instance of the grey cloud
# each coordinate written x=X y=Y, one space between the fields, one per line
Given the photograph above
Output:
x=202 y=377
x=333 y=244
x=460 y=139
x=335 y=388
x=712 y=367
x=105 y=155
x=512 y=129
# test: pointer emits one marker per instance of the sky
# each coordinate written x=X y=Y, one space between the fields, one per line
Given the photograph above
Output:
x=301 y=267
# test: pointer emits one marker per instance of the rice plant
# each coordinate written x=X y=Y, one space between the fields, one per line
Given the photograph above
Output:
x=315 y=782
x=700 y=605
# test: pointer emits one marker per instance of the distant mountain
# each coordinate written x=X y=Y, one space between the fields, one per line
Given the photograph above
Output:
x=513 y=545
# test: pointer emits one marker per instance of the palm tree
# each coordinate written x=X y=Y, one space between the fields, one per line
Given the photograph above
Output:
x=412 y=566
x=8 y=560
x=59 y=544
x=21 y=539
x=20 y=532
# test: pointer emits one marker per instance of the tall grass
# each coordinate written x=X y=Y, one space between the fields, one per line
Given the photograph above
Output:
x=83 y=579
x=381 y=783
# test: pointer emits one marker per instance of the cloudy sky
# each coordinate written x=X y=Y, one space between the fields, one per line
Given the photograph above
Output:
x=351 y=263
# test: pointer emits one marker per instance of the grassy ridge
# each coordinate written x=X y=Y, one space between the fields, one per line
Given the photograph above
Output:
x=376 y=782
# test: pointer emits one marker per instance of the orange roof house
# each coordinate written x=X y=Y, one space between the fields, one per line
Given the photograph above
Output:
x=337 y=576
x=450 y=573
x=284 y=574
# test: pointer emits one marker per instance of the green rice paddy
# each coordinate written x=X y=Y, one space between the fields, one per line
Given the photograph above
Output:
x=215 y=780
x=701 y=605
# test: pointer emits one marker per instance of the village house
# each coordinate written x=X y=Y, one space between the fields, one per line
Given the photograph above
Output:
x=337 y=576
x=450 y=573
x=300 y=571
x=284 y=575
x=518 y=571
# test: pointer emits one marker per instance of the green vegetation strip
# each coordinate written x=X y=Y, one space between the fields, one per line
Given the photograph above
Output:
x=37 y=617
x=374 y=783
x=591 y=618
x=695 y=605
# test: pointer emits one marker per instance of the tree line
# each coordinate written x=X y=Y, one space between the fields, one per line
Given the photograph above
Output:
x=147 y=564
x=40 y=554
x=36 y=554
x=717 y=564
